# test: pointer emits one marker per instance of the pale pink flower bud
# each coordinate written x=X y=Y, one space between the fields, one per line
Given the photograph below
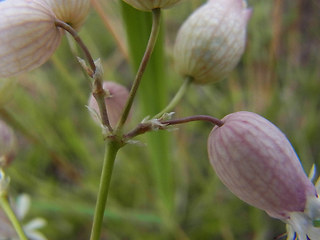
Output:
x=28 y=35
x=73 y=12
x=255 y=160
x=115 y=100
x=211 y=41
x=7 y=144
x=148 y=5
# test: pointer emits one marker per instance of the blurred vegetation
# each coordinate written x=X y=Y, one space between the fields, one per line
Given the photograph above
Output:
x=60 y=149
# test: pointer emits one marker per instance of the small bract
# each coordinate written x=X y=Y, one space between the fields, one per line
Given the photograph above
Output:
x=255 y=160
x=115 y=100
x=211 y=41
x=148 y=5
x=28 y=35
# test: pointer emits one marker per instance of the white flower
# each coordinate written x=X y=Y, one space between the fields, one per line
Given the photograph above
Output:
x=32 y=227
x=305 y=225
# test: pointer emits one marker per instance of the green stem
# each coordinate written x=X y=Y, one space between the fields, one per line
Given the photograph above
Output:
x=110 y=156
x=156 y=14
x=12 y=217
x=176 y=99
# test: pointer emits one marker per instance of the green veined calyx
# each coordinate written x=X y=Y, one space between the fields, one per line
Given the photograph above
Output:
x=211 y=41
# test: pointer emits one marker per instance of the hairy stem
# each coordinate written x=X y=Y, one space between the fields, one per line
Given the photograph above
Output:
x=146 y=127
x=97 y=91
x=156 y=14
x=99 y=94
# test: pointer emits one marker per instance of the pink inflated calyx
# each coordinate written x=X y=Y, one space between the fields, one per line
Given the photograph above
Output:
x=255 y=160
x=115 y=100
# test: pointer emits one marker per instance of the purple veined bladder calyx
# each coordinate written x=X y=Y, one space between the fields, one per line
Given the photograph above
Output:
x=257 y=163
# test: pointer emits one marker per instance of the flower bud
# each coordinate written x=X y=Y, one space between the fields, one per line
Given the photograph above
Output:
x=115 y=100
x=148 y=5
x=28 y=35
x=73 y=12
x=255 y=160
x=211 y=41
x=7 y=144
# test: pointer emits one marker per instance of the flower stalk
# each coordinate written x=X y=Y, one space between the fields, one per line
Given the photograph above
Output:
x=81 y=44
x=156 y=124
x=156 y=15
x=99 y=94
x=93 y=72
x=177 y=98
x=5 y=205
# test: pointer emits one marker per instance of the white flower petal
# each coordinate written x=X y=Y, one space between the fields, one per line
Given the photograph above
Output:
x=22 y=205
x=35 y=224
x=34 y=235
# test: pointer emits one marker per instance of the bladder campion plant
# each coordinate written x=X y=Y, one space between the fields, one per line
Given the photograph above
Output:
x=250 y=155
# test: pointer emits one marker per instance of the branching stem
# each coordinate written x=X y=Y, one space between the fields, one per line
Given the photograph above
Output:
x=97 y=90
x=148 y=126
x=156 y=14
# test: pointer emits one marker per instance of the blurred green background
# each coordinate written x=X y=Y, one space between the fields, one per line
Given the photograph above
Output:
x=165 y=187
